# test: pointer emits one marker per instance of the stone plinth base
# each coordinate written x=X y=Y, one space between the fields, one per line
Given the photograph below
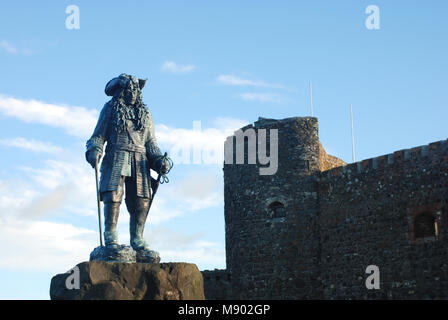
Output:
x=123 y=253
x=99 y=280
x=119 y=253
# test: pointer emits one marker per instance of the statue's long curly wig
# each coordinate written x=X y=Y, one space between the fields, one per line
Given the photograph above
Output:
x=137 y=113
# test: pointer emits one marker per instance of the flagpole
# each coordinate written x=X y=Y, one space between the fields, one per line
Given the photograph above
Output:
x=311 y=98
x=353 y=135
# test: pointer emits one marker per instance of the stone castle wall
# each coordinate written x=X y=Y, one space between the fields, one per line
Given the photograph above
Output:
x=262 y=250
x=217 y=284
x=368 y=210
x=335 y=220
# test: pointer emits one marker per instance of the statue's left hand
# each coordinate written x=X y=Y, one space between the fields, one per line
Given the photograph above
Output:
x=163 y=165
x=92 y=156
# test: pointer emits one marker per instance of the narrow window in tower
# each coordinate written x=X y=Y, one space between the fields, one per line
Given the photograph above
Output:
x=277 y=211
x=426 y=225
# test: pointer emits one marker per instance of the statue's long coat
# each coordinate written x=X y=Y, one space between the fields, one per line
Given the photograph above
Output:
x=128 y=153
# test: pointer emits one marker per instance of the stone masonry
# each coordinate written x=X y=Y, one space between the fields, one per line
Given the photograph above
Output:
x=310 y=230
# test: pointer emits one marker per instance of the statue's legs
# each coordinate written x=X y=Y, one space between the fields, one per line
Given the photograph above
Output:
x=138 y=208
x=111 y=212
x=112 y=201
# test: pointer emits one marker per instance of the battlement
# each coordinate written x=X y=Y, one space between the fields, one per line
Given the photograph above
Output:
x=269 y=122
x=310 y=230
x=433 y=154
x=368 y=215
x=217 y=284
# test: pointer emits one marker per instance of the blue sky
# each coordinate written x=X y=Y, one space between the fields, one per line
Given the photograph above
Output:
x=221 y=63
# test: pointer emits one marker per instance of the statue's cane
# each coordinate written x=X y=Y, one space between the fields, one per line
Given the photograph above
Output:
x=98 y=200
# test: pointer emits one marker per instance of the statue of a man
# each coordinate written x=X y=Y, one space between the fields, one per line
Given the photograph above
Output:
x=125 y=123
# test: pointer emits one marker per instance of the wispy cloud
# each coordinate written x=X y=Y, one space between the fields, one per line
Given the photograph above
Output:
x=77 y=121
x=197 y=196
x=66 y=187
x=42 y=245
x=56 y=247
x=50 y=187
x=232 y=80
x=50 y=202
x=262 y=97
x=14 y=196
x=8 y=47
x=198 y=145
x=62 y=186
x=31 y=145
x=176 y=246
x=172 y=67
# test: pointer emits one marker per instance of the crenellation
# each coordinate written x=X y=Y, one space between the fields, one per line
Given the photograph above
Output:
x=416 y=150
x=374 y=163
x=365 y=165
x=398 y=156
x=310 y=230
x=217 y=284
x=390 y=159
x=406 y=154
x=436 y=151
x=358 y=167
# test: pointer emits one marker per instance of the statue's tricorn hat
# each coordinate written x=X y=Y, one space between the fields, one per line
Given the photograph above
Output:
x=121 y=82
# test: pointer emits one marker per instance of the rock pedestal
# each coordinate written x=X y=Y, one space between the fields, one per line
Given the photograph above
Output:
x=99 y=280
x=123 y=253
x=119 y=253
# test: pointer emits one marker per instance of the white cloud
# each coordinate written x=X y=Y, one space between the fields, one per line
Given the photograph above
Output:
x=42 y=245
x=207 y=192
x=80 y=122
x=172 y=67
x=77 y=121
x=31 y=145
x=56 y=171
x=197 y=190
x=228 y=125
x=67 y=186
x=192 y=248
x=14 y=196
x=56 y=247
x=70 y=187
x=198 y=145
x=56 y=198
x=200 y=189
x=165 y=208
x=205 y=257
x=238 y=81
x=261 y=97
x=57 y=186
x=8 y=47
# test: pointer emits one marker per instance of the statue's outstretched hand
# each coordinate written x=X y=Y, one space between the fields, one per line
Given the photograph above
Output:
x=92 y=156
x=164 y=165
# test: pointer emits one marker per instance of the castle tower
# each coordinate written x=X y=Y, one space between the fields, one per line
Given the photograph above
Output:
x=272 y=246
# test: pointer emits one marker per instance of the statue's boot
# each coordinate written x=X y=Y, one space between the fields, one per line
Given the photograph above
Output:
x=111 y=212
x=138 y=213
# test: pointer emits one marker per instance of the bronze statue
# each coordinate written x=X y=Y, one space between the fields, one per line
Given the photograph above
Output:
x=125 y=123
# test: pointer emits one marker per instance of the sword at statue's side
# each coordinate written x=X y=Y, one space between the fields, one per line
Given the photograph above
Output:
x=98 y=200
x=157 y=182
